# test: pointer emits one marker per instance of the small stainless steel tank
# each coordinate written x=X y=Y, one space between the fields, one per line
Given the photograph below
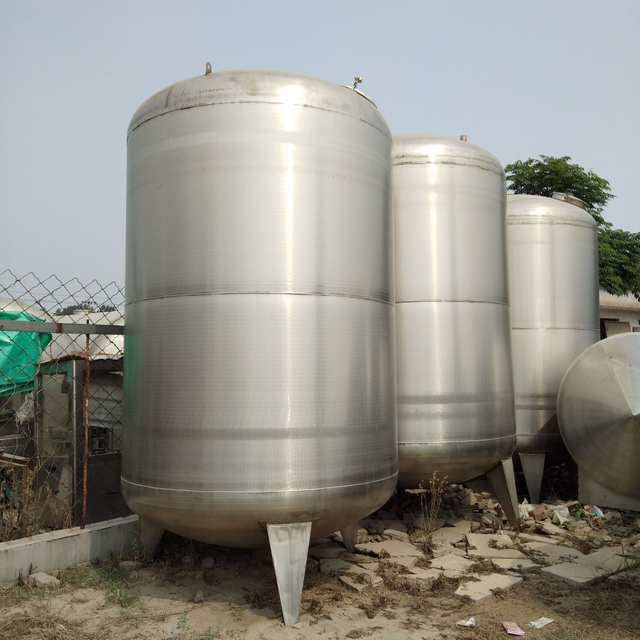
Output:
x=260 y=370
x=553 y=282
x=599 y=413
x=455 y=380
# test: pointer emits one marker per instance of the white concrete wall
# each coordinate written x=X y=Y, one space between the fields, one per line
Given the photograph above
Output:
x=49 y=552
x=621 y=308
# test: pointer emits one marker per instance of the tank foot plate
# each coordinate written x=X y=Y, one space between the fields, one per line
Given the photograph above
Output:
x=289 y=547
x=350 y=537
x=533 y=468
x=503 y=481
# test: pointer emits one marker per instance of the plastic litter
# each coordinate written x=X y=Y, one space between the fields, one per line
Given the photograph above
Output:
x=525 y=509
x=597 y=511
x=560 y=516
x=512 y=628
x=540 y=622
x=470 y=623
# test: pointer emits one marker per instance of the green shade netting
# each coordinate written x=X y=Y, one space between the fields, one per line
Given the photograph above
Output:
x=19 y=354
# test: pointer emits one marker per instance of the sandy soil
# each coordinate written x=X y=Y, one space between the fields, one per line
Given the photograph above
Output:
x=241 y=601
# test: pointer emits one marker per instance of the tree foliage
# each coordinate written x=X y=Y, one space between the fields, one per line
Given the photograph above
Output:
x=619 y=251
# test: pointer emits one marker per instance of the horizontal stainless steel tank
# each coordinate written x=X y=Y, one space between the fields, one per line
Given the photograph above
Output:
x=553 y=283
x=599 y=413
x=260 y=362
x=455 y=381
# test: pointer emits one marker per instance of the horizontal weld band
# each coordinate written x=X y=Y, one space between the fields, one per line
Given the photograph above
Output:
x=258 y=293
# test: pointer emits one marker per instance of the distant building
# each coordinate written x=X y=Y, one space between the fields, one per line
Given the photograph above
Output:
x=618 y=314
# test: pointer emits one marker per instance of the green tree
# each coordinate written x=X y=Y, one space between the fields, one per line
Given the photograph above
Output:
x=619 y=251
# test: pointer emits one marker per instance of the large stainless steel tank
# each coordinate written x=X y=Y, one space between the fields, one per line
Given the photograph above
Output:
x=455 y=381
x=260 y=362
x=553 y=283
x=599 y=412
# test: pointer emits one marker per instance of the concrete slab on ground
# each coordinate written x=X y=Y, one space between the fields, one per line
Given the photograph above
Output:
x=484 y=587
x=394 y=548
x=576 y=574
x=451 y=562
x=553 y=553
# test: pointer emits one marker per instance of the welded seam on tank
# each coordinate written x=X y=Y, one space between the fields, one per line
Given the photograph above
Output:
x=441 y=442
x=504 y=304
x=538 y=221
x=341 y=486
x=275 y=103
x=469 y=165
x=617 y=379
x=556 y=329
x=258 y=293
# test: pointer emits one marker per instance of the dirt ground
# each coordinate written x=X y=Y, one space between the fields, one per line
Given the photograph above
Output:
x=156 y=601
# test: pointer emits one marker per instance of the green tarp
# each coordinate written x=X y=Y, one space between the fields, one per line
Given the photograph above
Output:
x=19 y=354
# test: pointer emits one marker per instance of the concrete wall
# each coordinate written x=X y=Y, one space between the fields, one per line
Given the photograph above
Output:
x=49 y=552
x=621 y=308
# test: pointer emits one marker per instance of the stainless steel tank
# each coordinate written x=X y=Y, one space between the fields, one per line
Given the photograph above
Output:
x=553 y=283
x=599 y=412
x=455 y=381
x=260 y=357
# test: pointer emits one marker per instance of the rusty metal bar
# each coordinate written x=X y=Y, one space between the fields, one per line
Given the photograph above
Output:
x=85 y=463
x=62 y=327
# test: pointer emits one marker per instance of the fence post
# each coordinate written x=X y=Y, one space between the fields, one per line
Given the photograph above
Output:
x=85 y=463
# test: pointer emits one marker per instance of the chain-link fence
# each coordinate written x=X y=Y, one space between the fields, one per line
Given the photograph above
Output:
x=61 y=355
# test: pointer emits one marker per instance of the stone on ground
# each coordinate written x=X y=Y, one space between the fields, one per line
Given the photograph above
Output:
x=42 y=579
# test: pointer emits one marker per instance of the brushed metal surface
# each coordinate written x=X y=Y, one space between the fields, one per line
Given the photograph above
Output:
x=599 y=412
x=260 y=369
x=455 y=383
x=553 y=284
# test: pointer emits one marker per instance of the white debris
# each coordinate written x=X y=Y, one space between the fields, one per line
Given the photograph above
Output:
x=540 y=622
x=470 y=623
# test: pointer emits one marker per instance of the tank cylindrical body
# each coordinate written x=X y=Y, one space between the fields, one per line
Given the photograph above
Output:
x=455 y=381
x=553 y=282
x=260 y=366
x=599 y=413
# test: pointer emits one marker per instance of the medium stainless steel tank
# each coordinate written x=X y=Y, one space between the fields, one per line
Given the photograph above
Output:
x=599 y=412
x=260 y=356
x=455 y=381
x=553 y=283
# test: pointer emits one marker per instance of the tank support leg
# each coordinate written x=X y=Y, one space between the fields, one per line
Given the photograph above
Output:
x=150 y=535
x=503 y=481
x=533 y=468
x=289 y=547
x=350 y=537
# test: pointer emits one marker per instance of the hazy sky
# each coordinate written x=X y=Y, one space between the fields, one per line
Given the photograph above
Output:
x=519 y=78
